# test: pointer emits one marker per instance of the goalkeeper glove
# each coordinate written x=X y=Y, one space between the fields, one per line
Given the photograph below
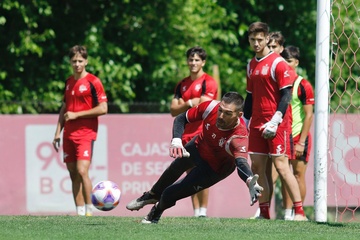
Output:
x=270 y=128
x=254 y=189
x=177 y=149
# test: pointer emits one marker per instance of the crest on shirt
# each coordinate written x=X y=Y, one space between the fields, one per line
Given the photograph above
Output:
x=82 y=88
x=265 y=70
x=197 y=87
x=221 y=142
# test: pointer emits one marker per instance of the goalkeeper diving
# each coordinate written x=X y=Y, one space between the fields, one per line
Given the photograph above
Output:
x=212 y=156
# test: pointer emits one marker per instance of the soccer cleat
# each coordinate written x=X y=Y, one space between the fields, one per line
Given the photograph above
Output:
x=153 y=216
x=299 y=217
x=261 y=217
x=145 y=199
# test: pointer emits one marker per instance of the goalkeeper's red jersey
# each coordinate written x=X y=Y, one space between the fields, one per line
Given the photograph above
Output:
x=83 y=94
x=265 y=78
x=218 y=147
x=188 y=89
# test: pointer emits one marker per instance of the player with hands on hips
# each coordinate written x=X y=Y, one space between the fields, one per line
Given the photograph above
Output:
x=212 y=156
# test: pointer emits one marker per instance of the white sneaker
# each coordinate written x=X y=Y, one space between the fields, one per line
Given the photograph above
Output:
x=299 y=217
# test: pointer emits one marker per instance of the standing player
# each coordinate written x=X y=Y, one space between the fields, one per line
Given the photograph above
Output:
x=211 y=156
x=84 y=100
x=189 y=92
x=276 y=44
x=269 y=84
x=302 y=112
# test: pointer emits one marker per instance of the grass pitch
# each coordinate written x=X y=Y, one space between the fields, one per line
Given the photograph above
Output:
x=127 y=228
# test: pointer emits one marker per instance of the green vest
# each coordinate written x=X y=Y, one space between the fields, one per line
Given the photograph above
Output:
x=297 y=109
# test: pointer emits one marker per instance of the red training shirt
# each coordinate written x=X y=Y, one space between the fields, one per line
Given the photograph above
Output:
x=188 y=89
x=218 y=147
x=83 y=94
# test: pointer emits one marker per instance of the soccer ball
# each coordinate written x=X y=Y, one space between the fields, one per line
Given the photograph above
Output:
x=105 y=195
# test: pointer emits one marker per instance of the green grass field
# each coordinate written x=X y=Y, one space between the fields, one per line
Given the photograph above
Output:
x=74 y=227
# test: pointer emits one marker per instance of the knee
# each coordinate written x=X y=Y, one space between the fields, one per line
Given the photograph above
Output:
x=82 y=172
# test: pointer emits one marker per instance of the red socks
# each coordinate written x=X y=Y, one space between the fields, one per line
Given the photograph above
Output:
x=265 y=210
x=298 y=208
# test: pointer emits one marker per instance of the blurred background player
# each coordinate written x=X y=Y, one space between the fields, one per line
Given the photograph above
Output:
x=302 y=104
x=276 y=42
x=212 y=156
x=198 y=87
x=269 y=84
x=84 y=100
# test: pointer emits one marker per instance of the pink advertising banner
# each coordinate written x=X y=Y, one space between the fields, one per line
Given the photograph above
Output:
x=131 y=150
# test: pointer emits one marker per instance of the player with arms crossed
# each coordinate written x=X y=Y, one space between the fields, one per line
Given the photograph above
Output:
x=302 y=104
x=212 y=156
x=189 y=92
x=269 y=84
x=84 y=100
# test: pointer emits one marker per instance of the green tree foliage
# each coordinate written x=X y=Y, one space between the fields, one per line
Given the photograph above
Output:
x=136 y=47
x=345 y=44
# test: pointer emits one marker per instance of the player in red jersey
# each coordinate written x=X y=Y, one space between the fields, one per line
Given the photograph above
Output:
x=276 y=44
x=84 y=100
x=269 y=83
x=190 y=92
x=212 y=156
x=302 y=104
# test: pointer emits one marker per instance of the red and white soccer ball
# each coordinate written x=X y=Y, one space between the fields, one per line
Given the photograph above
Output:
x=105 y=195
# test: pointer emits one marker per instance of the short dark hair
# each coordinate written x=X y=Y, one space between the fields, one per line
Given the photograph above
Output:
x=258 y=27
x=277 y=37
x=234 y=97
x=291 y=52
x=78 y=49
x=196 y=50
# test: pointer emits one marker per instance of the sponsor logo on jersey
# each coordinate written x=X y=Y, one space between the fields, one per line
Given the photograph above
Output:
x=207 y=125
x=286 y=73
x=86 y=153
x=243 y=149
x=278 y=149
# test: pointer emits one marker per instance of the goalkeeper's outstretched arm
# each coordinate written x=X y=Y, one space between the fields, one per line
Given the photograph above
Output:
x=243 y=168
x=179 y=125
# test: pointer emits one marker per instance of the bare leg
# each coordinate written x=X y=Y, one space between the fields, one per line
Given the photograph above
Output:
x=289 y=180
x=299 y=168
x=83 y=171
x=76 y=186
